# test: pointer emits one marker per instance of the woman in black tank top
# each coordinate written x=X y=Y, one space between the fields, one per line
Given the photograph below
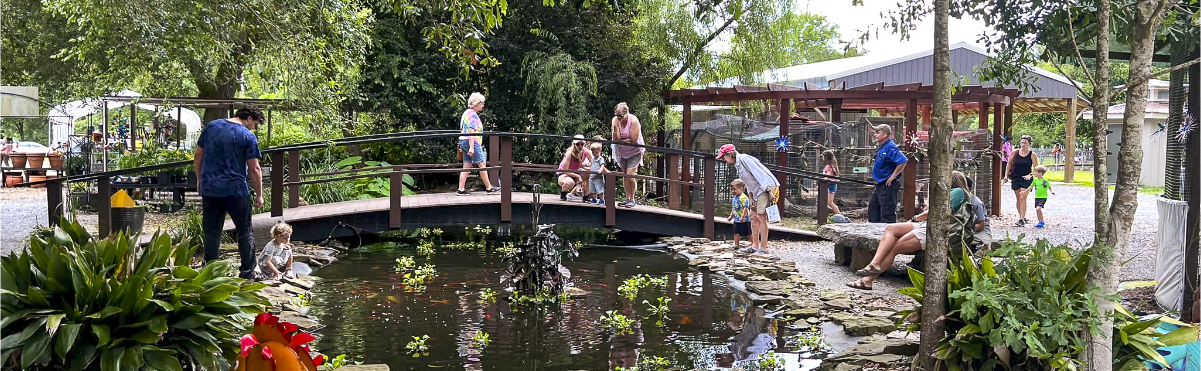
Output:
x=1018 y=171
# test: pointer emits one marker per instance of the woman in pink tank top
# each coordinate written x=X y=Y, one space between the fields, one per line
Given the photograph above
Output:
x=627 y=129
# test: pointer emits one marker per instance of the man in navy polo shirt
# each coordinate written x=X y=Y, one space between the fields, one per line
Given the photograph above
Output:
x=227 y=157
x=886 y=171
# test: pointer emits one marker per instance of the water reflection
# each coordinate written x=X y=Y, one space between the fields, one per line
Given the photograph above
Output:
x=370 y=316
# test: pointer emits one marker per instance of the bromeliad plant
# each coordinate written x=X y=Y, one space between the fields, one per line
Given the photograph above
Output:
x=71 y=301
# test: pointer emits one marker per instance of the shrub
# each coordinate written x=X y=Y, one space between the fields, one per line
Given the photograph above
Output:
x=1032 y=311
x=74 y=302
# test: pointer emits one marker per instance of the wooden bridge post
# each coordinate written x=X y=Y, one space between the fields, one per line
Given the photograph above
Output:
x=54 y=201
x=277 y=185
x=395 y=191
x=506 y=179
x=823 y=192
x=293 y=176
x=104 y=189
x=673 y=189
x=710 y=196
x=909 y=194
x=610 y=200
x=493 y=149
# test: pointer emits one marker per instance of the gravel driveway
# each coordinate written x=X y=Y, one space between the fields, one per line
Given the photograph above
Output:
x=1069 y=215
x=24 y=209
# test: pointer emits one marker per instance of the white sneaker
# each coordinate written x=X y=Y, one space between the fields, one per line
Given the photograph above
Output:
x=574 y=197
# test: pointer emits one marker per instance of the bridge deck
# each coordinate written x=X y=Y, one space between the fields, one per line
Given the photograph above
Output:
x=316 y=222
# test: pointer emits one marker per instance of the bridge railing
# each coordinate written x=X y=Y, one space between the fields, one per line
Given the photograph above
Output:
x=287 y=176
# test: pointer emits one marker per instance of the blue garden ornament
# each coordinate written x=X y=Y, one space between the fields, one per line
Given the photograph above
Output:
x=782 y=144
x=1156 y=134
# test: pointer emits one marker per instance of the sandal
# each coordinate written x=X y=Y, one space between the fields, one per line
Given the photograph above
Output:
x=859 y=285
x=868 y=271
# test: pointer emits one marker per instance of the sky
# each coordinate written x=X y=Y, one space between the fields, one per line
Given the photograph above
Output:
x=852 y=21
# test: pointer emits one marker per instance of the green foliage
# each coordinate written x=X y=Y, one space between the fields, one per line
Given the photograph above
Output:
x=156 y=155
x=1033 y=310
x=487 y=296
x=303 y=299
x=481 y=339
x=1136 y=338
x=538 y=298
x=560 y=88
x=769 y=362
x=654 y=364
x=371 y=187
x=629 y=289
x=416 y=280
x=337 y=362
x=73 y=301
x=404 y=264
x=813 y=341
x=660 y=309
x=617 y=322
x=417 y=347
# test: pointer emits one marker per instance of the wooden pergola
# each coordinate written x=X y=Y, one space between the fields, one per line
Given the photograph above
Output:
x=909 y=99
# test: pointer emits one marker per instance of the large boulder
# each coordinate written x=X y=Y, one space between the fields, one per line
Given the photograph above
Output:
x=855 y=244
x=879 y=353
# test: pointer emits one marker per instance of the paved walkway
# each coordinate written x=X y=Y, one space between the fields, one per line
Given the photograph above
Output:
x=1069 y=215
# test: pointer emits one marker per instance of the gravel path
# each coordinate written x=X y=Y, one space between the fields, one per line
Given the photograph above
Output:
x=1069 y=215
x=24 y=211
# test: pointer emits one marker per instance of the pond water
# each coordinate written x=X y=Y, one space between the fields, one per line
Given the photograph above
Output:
x=371 y=316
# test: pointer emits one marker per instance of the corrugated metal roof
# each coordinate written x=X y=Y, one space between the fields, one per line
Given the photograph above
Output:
x=913 y=68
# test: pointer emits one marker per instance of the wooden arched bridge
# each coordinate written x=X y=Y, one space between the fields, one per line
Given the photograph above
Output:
x=399 y=211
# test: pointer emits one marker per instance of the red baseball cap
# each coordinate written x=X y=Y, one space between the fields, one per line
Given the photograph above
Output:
x=724 y=150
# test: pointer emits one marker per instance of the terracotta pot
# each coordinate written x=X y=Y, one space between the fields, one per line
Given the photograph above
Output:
x=11 y=180
x=56 y=160
x=19 y=160
x=37 y=178
x=36 y=160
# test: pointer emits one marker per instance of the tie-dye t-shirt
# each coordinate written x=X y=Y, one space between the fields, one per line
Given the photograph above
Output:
x=470 y=123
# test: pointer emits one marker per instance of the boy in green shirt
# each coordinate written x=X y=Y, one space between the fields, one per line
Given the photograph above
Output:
x=1041 y=186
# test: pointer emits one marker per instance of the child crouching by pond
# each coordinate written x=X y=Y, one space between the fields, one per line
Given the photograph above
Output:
x=275 y=261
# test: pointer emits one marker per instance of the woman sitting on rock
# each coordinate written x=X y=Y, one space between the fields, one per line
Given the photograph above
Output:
x=910 y=237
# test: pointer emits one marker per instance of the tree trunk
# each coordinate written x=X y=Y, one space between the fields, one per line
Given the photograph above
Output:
x=939 y=216
x=1113 y=222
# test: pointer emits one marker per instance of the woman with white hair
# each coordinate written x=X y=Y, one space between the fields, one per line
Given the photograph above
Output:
x=626 y=128
x=472 y=146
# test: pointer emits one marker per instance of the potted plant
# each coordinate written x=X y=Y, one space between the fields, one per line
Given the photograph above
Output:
x=56 y=159
x=130 y=218
x=19 y=160
x=36 y=160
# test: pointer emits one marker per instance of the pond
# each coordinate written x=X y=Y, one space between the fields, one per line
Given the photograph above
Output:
x=371 y=315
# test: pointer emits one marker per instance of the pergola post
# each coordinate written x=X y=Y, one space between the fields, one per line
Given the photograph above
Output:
x=1069 y=164
x=782 y=156
x=268 y=126
x=179 y=127
x=926 y=117
x=133 y=127
x=836 y=110
x=103 y=136
x=685 y=161
x=910 y=193
x=995 y=203
x=660 y=160
x=999 y=121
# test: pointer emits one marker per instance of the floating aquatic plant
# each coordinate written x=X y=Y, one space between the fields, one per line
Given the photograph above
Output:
x=481 y=339
x=404 y=264
x=417 y=347
x=487 y=296
x=661 y=309
x=629 y=289
x=617 y=322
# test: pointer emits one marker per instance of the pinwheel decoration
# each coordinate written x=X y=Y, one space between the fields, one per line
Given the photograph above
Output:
x=782 y=144
x=1186 y=127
